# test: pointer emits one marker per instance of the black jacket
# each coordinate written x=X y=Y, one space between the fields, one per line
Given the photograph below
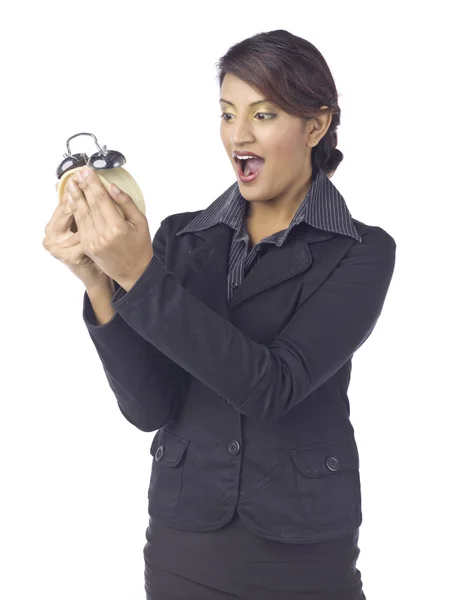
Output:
x=249 y=398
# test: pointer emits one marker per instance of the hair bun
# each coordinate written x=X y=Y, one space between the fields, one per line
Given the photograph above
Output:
x=333 y=160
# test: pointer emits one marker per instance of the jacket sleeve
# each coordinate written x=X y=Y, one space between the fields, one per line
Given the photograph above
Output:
x=146 y=383
x=259 y=381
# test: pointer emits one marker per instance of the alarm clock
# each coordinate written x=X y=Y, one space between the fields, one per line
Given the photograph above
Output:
x=108 y=165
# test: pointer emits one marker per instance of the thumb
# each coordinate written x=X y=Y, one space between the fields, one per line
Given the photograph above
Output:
x=126 y=203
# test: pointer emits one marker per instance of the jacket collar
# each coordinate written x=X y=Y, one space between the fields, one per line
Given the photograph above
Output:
x=213 y=231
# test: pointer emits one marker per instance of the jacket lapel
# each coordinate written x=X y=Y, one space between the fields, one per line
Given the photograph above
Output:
x=208 y=259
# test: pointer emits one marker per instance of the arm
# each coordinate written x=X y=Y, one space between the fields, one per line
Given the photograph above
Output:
x=147 y=385
x=265 y=382
x=101 y=299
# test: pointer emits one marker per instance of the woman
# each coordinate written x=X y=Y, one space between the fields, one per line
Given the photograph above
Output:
x=235 y=344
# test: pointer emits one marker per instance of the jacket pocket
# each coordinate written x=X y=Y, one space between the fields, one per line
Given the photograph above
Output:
x=168 y=451
x=327 y=476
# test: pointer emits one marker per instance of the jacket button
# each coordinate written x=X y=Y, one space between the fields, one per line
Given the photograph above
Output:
x=234 y=447
x=332 y=463
x=159 y=453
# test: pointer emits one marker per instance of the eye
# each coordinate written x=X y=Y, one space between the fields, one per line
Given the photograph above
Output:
x=270 y=116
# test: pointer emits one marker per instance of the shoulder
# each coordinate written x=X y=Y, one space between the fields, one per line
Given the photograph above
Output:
x=372 y=259
x=374 y=236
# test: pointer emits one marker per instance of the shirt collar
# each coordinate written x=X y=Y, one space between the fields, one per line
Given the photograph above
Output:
x=323 y=207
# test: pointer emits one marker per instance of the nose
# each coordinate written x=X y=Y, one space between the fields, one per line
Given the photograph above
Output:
x=241 y=133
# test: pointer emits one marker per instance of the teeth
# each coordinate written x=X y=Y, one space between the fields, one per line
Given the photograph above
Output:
x=244 y=157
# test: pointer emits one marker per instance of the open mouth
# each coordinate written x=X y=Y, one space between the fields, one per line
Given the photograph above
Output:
x=241 y=162
x=247 y=169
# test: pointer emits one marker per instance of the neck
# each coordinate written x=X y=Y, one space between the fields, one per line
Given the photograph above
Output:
x=278 y=212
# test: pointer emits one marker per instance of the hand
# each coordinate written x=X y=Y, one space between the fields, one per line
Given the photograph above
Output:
x=119 y=244
x=64 y=244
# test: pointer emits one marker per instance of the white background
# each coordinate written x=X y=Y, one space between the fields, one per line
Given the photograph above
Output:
x=141 y=76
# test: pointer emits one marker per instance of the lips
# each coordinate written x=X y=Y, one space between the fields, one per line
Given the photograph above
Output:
x=246 y=153
x=248 y=178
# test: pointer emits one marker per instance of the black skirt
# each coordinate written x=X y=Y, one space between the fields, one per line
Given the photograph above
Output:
x=235 y=563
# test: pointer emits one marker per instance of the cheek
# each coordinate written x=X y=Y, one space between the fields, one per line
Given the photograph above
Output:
x=224 y=139
x=286 y=151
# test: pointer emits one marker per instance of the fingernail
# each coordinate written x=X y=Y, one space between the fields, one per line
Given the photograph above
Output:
x=70 y=199
x=86 y=172
x=72 y=186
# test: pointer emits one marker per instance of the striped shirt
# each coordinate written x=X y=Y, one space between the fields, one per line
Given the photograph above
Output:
x=323 y=207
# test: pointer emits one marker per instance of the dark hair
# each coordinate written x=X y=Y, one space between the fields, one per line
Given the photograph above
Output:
x=292 y=73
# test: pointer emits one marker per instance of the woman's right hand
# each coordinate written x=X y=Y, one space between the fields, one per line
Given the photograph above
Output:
x=62 y=240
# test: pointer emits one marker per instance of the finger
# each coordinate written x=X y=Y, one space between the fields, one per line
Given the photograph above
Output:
x=70 y=241
x=97 y=216
x=82 y=214
x=99 y=200
x=127 y=204
x=64 y=240
x=60 y=221
x=72 y=255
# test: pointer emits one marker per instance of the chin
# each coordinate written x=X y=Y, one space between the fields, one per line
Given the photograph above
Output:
x=253 y=195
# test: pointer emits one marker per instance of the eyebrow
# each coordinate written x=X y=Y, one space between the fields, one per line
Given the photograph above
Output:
x=252 y=103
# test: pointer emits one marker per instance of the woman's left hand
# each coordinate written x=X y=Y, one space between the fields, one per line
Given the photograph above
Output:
x=120 y=246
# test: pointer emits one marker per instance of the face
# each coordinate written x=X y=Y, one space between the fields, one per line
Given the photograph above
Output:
x=285 y=142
